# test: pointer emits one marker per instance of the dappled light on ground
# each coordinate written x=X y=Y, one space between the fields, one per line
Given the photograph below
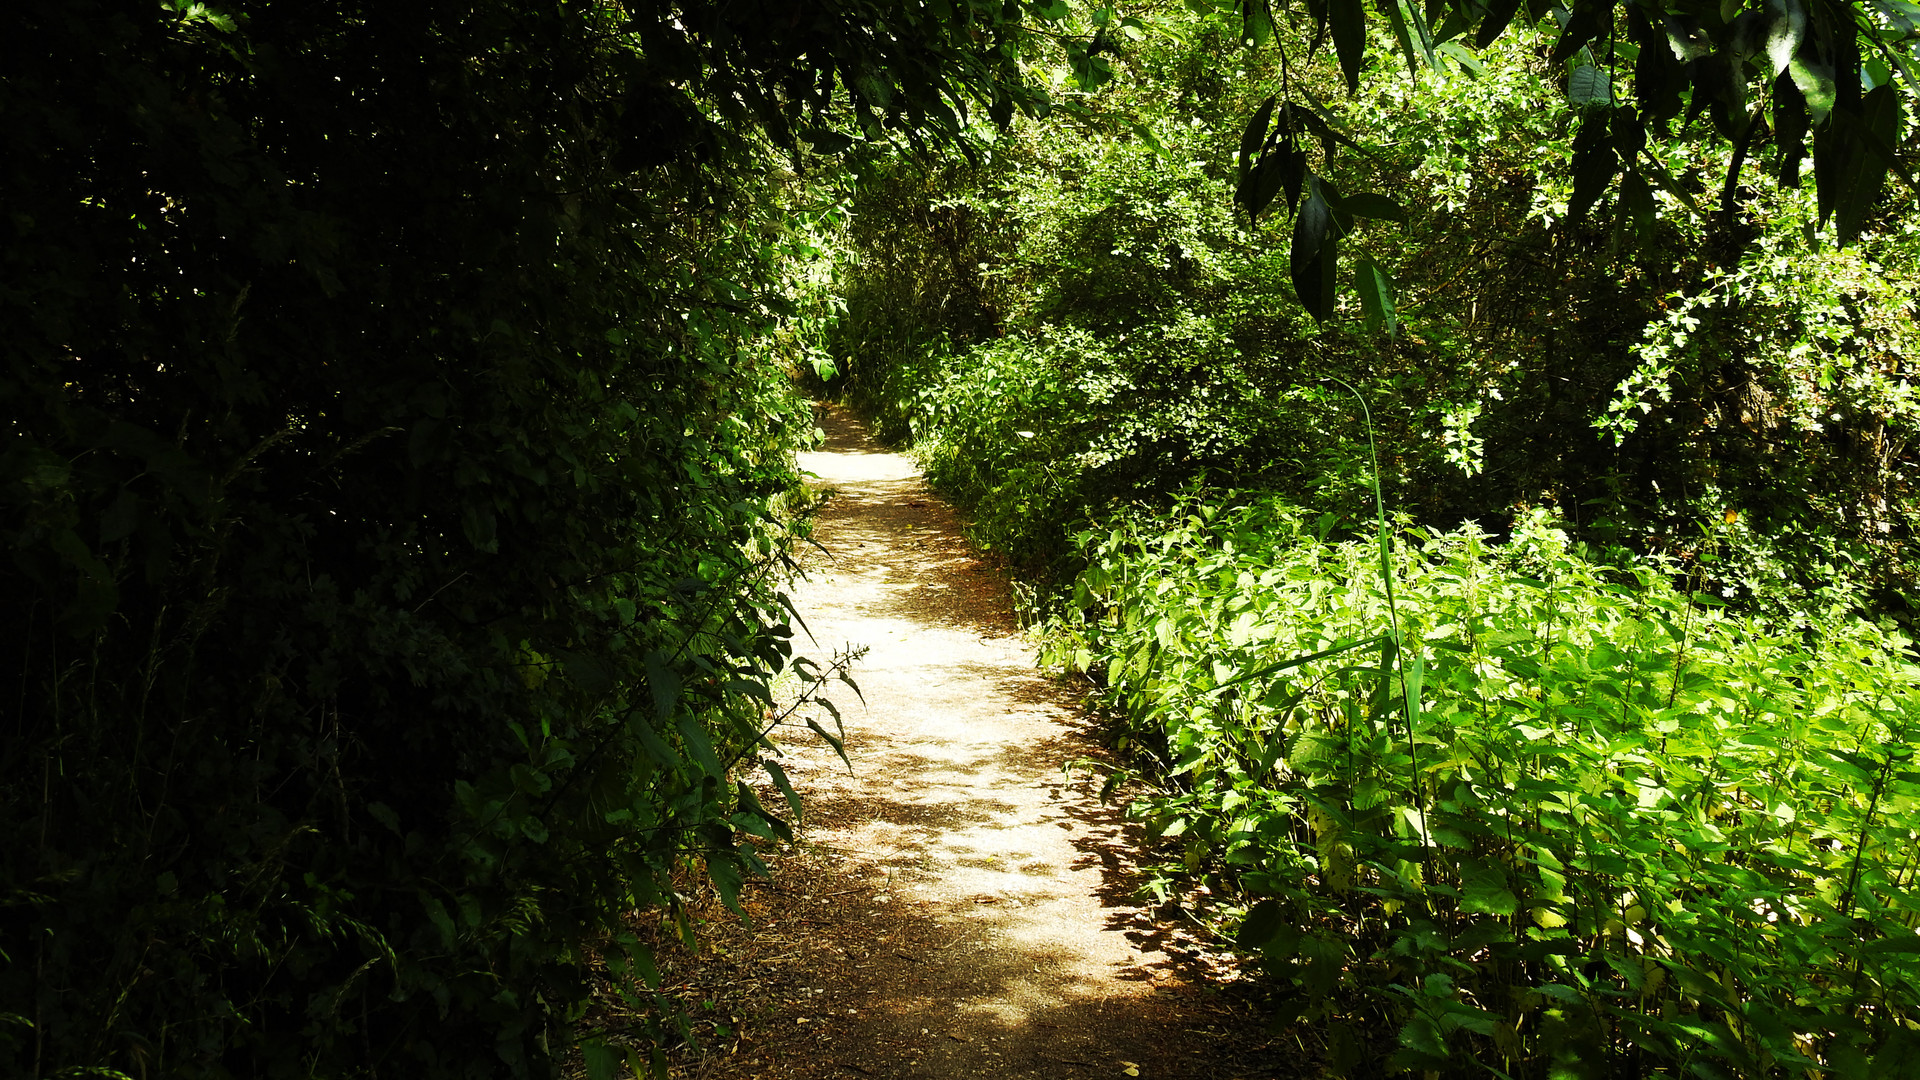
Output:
x=961 y=903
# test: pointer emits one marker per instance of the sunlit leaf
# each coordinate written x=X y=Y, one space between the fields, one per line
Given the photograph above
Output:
x=1375 y=289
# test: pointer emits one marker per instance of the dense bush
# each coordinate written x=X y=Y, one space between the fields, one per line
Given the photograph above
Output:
x=1540 y=817
x=1645 y=367
x=396 y=424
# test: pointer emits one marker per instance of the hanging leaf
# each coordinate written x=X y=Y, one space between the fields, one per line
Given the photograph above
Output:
x=1397 y=19
x=1638 y=212
x=1587 y=22
x=1786 y=32
x=1314 y=253
x=1254 y=137
x=1627 y=134
x=1348 y=20
x=1256 y=21
x=1499 y=14
x=1470 y=64
x=1658 y=75
x=1790 y=127
x=1593 y=165
x=1872 y=134
x=1317 y=15
x=1812 y=75
x=1720 y=86
x=1376 y=296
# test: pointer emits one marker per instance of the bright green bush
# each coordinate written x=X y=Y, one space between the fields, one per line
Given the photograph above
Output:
x=1541 y=816
x=1647 y=369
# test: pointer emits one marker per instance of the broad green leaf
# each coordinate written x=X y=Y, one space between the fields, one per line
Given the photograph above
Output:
x=694 y=737
x=1376 y=296
x=1582 y=26
x=1814 y=77
x=663 y=683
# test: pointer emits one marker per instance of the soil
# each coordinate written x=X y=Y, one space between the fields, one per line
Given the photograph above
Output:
x=961 y=904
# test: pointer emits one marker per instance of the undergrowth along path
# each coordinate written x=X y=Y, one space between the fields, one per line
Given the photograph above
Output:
x=958 y=906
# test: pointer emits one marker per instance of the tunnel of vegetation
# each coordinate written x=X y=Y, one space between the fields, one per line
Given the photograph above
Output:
x=397 y=477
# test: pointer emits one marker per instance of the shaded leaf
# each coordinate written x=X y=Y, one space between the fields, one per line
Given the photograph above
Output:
x=1348 y=21
x=1658 y=75
x=1585 y=24
x=1262 y=923
x=1791 y=124
x=1593 y=165
x=1371 y=205
x=1499 y=14
x=1314 y=251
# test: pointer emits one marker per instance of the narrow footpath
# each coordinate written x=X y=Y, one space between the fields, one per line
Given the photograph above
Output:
x=960 y=905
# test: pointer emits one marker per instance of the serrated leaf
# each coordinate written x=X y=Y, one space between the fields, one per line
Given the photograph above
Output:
x=663 y=683
x=603 y=1061
x=724 y=870
x=839 y=747
x=785 y=784
x=1589 y=85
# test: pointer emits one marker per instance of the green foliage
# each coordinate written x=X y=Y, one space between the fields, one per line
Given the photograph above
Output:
x=1819 y=77
x=395 y=460
x=1647 y=365
x=1546 y=817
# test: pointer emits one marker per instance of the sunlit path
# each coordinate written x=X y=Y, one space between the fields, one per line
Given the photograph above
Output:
x=963 y=908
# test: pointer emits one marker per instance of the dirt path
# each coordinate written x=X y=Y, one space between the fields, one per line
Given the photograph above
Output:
x=959 y=907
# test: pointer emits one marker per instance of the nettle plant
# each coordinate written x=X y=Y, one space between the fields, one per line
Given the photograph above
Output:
x=1544 y=818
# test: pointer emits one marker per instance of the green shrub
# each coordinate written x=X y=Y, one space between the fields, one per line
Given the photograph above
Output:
x=1550 y=818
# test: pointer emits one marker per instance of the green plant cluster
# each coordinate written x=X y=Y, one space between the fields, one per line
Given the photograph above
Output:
x=1538 y=816
x=1648 y=365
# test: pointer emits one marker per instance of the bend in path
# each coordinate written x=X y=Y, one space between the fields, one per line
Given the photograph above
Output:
x=963 y=907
